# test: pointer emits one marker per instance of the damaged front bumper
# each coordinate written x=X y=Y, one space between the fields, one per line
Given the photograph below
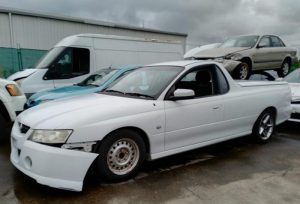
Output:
x=229 y=65
x=51 y=166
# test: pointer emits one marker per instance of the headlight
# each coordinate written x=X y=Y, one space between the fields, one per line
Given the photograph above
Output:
x=50 y=136
x=13 y=90
x=234 y=56
x=219 y=59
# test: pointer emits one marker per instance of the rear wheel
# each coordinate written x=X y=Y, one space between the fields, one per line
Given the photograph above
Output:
x=264 y=127
x=120 y=155
x=242 y=72
x=285 y=68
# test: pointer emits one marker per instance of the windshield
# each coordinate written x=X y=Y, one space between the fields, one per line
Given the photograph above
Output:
x=98 y=78
x=147 y=82
x=48 y=58
x=242 y=41
x=293 y=77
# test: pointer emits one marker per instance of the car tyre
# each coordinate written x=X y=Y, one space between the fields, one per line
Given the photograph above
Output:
x=285 y=69
x=242 y=72
x=264 y=127
x=121 y=154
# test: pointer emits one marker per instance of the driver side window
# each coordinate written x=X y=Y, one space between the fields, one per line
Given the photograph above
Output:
x=72 y=62
x=205 y=81
x=199 y=80
x=265 y=42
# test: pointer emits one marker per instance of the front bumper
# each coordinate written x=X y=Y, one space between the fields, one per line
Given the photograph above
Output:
x=15 y=105
x=295 y=117
x=51 y=166
x=230 y=65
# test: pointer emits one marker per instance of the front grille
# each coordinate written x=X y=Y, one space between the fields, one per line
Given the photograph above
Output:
x=23 y=128
x=295 y=116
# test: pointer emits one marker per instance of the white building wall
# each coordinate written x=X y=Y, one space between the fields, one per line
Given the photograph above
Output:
x=4 y=31
x=42 y=33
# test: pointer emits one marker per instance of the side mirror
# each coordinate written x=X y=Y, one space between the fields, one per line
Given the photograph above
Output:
x=180 y=94
x=262 y=45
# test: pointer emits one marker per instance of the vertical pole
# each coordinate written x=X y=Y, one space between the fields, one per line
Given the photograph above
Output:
x=11 y=41
x=11 y=30
x=19 y=53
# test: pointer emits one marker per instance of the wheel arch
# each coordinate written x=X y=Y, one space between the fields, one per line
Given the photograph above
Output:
x=141 y=132
x=288 y=59
x=270 y=108
x=248 y=61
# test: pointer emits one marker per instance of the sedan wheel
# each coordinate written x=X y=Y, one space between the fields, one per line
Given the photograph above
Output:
x=264 y=126
x=285 y=68
x=242 y=72
x=121 y=154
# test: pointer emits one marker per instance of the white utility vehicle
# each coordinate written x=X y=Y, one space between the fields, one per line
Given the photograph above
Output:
x=76 y=57
x=12 y=102
x=152 y=112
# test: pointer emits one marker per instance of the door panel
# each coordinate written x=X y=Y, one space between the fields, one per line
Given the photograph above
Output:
x=192 y=121
x=264 y=56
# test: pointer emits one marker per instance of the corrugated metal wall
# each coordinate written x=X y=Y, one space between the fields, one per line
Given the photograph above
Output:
x=32 y=36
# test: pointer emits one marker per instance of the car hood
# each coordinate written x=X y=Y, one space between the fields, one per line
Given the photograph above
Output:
x=21 y=74
x=295 y=88
x=218 y=52
x=63 y=92
x=82 y=111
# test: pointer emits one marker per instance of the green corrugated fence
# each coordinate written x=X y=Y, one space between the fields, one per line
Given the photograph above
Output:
x=13 y=60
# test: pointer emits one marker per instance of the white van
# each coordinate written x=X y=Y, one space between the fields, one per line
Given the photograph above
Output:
x=76 y=57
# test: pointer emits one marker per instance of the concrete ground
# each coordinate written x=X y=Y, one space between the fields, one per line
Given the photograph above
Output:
x=237 y=171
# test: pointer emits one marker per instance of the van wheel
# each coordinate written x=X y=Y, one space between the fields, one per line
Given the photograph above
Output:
x=285 y=68
x=242 y=72
x=121 y=154
x=264 y=127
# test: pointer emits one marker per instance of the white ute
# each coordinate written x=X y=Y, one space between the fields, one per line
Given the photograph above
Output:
x=12 y=102
x=153 y=112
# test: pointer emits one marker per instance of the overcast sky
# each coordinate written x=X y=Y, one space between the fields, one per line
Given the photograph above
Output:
x=205 y=21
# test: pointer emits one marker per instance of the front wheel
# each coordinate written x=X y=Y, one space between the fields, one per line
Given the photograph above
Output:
x=264 y=127
x=242 y=72
x=120 y=155
x=285 y=68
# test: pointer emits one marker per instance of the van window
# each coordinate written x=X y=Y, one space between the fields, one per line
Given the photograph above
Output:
x=72 y=62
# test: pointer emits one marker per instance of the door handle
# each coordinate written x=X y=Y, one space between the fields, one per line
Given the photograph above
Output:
x=216 y=107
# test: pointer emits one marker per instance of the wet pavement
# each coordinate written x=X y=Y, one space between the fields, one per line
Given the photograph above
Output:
x=237 y=171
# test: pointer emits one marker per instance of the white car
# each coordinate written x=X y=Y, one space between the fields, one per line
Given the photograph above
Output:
x=12 y=102
x=294 y=81
x=153 y=112
x=189 y=55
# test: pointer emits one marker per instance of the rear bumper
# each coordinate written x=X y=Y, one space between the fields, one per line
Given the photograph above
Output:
x=51 y=166
x=294 y=59
x=295 y=117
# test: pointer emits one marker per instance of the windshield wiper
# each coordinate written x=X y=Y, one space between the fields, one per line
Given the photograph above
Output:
x=114 y=91
x=139 y=95
x=95 y=85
